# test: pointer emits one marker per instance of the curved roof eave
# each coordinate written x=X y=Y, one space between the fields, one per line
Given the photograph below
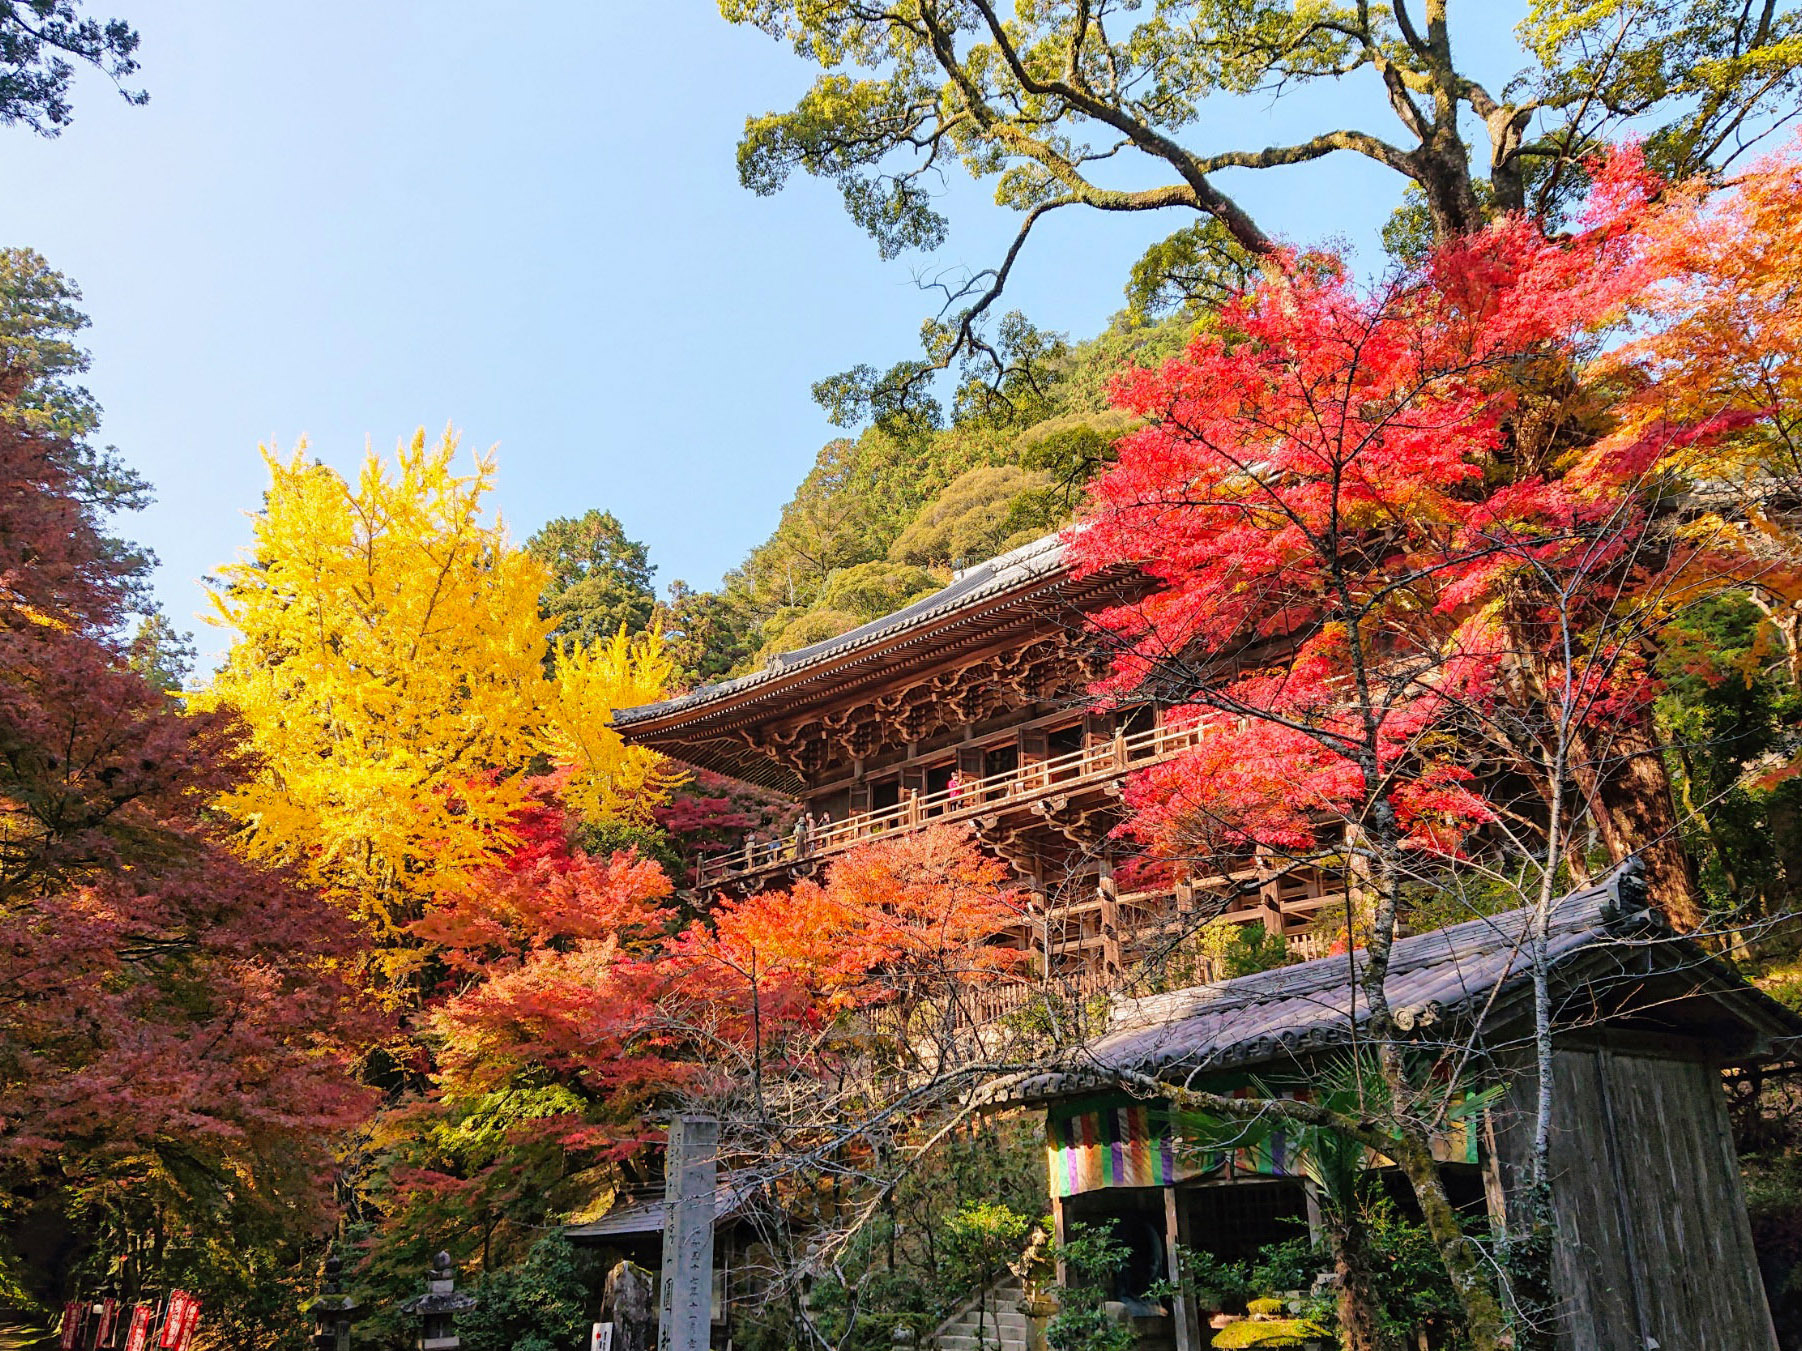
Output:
x=1036 y=562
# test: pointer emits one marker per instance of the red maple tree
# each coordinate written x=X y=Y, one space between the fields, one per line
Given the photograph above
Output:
x=1403 y=564
x=172 y=1027
x=1372 y=515
x=575 y=1011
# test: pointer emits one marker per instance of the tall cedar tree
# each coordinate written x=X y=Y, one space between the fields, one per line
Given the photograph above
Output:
x=600 y=581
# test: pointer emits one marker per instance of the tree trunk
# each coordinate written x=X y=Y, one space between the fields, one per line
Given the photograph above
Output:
x=1483 y=1319
x=1622 y=774
x=1527 y=1258
x=1620 y=771
x=1451 y=200
x=1782 y=811
x=1353 y=1264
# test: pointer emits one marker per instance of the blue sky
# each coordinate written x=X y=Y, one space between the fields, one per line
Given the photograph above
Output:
x=351 y=218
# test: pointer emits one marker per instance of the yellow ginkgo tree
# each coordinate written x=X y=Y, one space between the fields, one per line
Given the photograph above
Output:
x=608 y=780
x=388 y=660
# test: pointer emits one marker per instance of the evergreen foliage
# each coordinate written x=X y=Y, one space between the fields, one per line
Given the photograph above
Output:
x=541 y=1304
x=38 y=39
x=883 y=517
x=600 y=581
x=40 y=368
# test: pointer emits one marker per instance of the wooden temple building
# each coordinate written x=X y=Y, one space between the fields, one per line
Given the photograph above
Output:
x=967 y=706
x=970 y=706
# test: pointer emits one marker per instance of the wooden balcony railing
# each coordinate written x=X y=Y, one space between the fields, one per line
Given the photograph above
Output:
x=966 y=800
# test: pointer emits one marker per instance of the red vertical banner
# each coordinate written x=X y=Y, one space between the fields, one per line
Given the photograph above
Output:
x=71 y=1327
x=109 y=1314
x=138 y=1338
x=190 y=1315
x=175 y=1308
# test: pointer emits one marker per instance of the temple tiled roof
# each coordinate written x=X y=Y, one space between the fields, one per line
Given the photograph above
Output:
x=1607 y=949
x=1021 y=567
x=647 y=1216
x=1024 y=595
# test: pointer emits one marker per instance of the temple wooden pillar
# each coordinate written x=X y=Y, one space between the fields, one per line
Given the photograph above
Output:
x=1270 y=895
x=1184 y=1314
x=1185 y=897
x=1038 y=915
x=1110 y=918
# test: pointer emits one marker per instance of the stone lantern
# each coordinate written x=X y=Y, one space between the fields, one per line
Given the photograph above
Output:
x=438 y=1307
x=334 y=1311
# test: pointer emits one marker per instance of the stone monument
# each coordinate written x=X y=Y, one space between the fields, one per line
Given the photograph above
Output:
x=686 y=1300
x=626 y=1300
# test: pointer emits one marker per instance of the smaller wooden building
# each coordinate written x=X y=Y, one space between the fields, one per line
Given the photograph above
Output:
x=633 y=1231
x=1653 y=1246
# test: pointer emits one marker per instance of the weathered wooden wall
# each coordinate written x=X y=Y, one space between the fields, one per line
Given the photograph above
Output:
x=1654 y=1249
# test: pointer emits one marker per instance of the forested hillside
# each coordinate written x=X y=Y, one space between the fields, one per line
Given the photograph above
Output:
x=883 y=517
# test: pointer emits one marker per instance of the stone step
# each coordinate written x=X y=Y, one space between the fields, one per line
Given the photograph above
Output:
x=1009 y=1329
x=1003 y=1319
x=1010 y=1310
x=965 y=1337
x=997 y=1324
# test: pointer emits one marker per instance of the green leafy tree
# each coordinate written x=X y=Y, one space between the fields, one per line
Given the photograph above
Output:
x=920 y=1255
x=798 y=628
x=972 y=519
x=837 y=557
x=709 y=633
x=1092 y=1258
x=1732 y=717
x=982 y=1237
x=832 y=520
x=870 y=590
x=40 y=316
x=600 y=580
x=1066 y=452
x=539 y=1304
x=39 y=42
x=1059 y=104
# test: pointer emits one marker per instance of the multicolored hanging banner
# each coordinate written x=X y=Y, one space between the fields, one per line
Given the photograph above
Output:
x=1122 y=1141
x=1128 y=1142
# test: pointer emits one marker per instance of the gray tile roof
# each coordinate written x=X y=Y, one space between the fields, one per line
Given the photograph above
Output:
x=1029 y=563
x=1600 y=938
x=646 y=1217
